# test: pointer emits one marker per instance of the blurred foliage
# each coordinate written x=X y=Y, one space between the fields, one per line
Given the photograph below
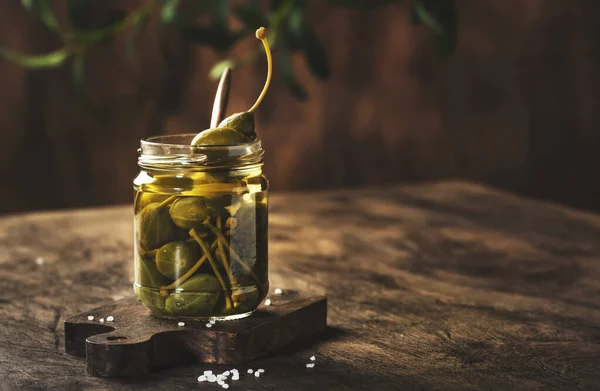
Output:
x=289 y=31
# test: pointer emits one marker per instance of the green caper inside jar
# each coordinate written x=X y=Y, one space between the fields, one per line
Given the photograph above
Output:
x=201 y=225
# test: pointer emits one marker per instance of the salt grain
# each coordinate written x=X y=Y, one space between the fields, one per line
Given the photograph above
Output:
x=212 y=378
x=39 y=260
x=201 y=378
x=226 y=373
x=209 y=325
x=257 y=374
x=101 y=320
x=90 y=317
x=312 y=358
x=260 y=370
x=207 y=373
x=311 y=365
x=267 y=302
x=110 y=318
x=235 y=377
x=225 y=386
x=250 y=370
x=278 y=291
x=212 y=321
x=181 y=324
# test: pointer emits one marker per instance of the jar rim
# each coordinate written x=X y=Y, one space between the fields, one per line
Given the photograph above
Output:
x=175 y=151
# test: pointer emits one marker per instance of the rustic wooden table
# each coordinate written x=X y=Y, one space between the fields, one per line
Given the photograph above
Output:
x=434 y=286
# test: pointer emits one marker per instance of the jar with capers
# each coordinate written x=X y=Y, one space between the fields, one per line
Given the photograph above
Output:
x=200 y=205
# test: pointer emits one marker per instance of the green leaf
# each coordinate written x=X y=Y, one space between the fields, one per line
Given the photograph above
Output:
x=424 y=14
x=50 y=60
x=287 y=71
x=168 y=11
x=315 y=55
x=79 y=74
x=132 y=39
x=43 y=11
x=295 y=26
x=217 y=70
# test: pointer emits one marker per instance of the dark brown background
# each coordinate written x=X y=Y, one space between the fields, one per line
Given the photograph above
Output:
x=515 y=107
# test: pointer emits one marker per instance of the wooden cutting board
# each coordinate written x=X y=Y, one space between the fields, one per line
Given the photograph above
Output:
x=135 y=342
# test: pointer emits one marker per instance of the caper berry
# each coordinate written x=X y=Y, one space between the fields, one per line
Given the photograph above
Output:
x=246 y=298
x=199 y=296
x=147 y=274
x=154 y=227
x=192 y=212
x=150 y=298
x=220 y=136
x=242 y=122
x=176 y=258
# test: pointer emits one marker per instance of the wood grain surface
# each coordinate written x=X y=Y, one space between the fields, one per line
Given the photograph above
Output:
x=445 y=286
x=514 y=107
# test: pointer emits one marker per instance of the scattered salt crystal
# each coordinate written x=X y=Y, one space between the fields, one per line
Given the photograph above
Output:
x=90 y=317
x=226 y=373
x=312 y=358
x=201 y=378
x=268 y=302
x=212 y=321
x=207 y=373
x=110 y=318
x=235 y=376
x=220 y=377
x=278 y=291
x=257 y=374
x=212 y=378
x=225 y=386
x=101 y=320
x=181 y=324
x=250 y=371
x=209 y=325
x=39 y=260
x=220 y=382
x=260 y=370
x=311 y=365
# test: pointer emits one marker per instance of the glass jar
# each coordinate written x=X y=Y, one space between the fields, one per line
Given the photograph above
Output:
x=200 y=229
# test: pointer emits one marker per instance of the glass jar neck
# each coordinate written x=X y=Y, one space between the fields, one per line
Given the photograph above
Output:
x=174 y=152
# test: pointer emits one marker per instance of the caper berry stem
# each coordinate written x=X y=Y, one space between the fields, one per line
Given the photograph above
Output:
x=224 y=256
x=167 y=201
x=145 y=253
x=213 y=264
x=164 y=289
x=221 y=238
x=261 y=34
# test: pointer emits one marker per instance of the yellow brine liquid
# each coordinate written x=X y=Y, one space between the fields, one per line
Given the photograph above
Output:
x=201 y=242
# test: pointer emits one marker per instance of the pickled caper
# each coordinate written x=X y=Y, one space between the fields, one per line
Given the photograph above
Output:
x=147 y=274
x=192 y=212
x=246 y=298
x=198 y=297
x=150 y=298
x=242 y=122
x=220 y=136
x=154 y=227
x=175 y=258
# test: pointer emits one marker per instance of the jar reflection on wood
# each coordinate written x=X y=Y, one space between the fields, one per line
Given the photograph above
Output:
x=200 y=228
